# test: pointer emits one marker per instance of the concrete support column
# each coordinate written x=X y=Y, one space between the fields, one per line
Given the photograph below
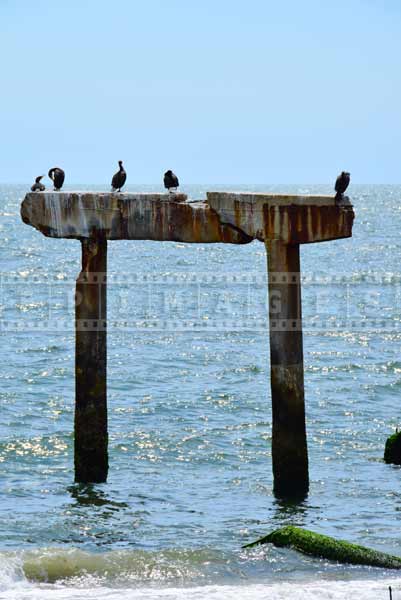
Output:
x=91 y=437
x=289 y=447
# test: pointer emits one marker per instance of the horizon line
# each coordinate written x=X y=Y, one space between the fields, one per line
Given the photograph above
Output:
x=203 y=184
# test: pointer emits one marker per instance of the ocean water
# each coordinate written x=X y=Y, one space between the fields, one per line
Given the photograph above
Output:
x=190 y=419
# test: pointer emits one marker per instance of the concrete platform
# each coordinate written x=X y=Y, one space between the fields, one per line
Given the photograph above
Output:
x=234 y=218
x=288 y=218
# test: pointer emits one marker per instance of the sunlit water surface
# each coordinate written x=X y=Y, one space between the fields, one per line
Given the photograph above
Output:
x=190 y=419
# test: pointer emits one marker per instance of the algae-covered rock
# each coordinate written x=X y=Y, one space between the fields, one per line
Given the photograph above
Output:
x=392 y=451
x=323 y=546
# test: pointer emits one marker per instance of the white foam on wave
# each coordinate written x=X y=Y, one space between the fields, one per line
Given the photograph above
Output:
x=11 y=571
x=319 y=590
x=50 y=574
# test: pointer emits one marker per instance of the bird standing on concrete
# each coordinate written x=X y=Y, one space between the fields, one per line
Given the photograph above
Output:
x=38 y=186
x=119 y=178
x=342 y=182
x=57 y=176
x=170 y=181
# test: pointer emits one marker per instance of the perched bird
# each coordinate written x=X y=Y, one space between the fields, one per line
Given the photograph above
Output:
x=170 y=180
x=38 y=186
x=119 y=178
x=342 y=182
x=57 y=176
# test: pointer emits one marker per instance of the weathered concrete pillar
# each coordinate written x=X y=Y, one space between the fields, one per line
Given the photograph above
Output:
x=281 y=221
x=289 y=447
x=91 y=438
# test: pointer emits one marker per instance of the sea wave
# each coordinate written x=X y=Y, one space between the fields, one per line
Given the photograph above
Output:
x=89 y=588
x=50 y=565
x=174 y=574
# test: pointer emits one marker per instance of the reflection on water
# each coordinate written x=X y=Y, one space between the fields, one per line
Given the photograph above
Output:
x=89 y=495
x=290 y=512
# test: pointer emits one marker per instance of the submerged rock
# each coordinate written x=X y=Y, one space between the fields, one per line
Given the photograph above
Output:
x=392 y=450
x=323 y=546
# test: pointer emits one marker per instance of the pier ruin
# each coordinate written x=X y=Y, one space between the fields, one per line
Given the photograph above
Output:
x=282 y=222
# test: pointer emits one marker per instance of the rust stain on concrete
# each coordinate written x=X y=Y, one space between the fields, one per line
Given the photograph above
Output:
x=226 y=217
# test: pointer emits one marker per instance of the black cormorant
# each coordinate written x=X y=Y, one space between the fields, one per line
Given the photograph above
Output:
x=170 y=180
x=38 y=186
x=342 y=182
x=57 y=175
x=119 y=178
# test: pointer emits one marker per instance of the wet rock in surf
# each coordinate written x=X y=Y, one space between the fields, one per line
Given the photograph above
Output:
x=392 y=450
x=323 y=546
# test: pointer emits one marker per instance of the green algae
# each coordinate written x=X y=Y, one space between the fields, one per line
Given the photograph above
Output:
x=323 y=546
x=392 y=450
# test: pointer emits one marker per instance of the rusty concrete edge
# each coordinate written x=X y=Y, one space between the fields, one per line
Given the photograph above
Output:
x=244 y=238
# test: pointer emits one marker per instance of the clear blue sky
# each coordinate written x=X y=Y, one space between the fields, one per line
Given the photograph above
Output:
x=221 y=91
